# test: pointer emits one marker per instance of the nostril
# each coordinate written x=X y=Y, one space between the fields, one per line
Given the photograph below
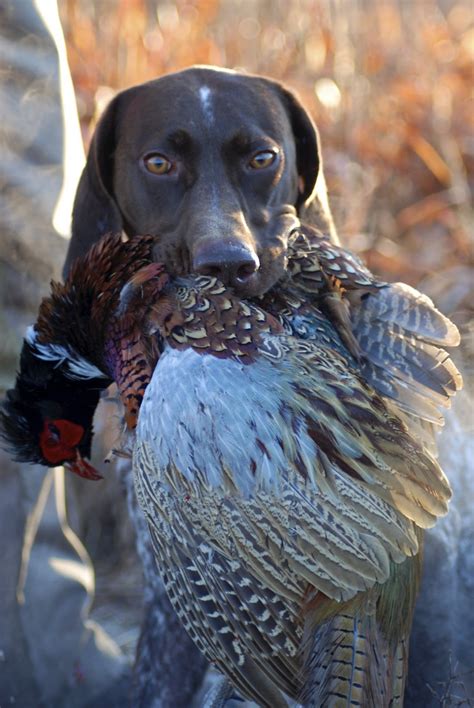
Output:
x=214 y=271
x=246 y=270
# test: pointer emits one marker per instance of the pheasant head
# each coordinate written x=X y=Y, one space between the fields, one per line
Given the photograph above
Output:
x=47 y=417
x=68 y=358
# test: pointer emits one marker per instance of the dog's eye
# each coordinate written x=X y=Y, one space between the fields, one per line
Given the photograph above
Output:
x=263 y=159
x=157 y=164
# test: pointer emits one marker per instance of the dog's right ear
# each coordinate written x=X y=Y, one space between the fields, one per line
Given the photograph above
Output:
x=312 y=202
x=95 y=211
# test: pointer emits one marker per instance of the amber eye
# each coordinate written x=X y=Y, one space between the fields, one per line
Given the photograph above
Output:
x=157 y=164
x=263 y=159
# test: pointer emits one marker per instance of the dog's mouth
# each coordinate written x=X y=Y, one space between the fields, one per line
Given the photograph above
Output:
x=240 y=276
x=273 y=258
x=272 y=269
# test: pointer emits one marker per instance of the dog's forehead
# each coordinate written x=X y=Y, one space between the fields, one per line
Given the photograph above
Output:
x=195 y=99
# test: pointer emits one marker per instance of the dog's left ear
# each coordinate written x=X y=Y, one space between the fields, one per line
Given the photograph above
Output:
x=308 y=155
x=312 y=201
x=95 y=210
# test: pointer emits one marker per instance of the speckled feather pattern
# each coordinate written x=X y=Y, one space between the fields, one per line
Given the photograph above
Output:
x=288 y=492
x=277 y=469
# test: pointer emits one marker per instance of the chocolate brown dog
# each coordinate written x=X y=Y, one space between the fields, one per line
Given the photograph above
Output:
x=218 y=164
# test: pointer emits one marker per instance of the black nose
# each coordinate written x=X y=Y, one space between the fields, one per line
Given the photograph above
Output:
x=233 y=263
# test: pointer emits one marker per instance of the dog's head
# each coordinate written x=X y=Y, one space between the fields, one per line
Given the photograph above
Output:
x=215 y=163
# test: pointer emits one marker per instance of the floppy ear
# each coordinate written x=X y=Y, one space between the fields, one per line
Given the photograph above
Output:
x=308 y=159
x=312 y=201
x=95 y=211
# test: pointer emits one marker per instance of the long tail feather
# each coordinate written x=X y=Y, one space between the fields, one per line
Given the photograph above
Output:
x=353 y=664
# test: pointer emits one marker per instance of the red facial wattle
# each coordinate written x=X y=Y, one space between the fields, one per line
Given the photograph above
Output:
x=59 y=442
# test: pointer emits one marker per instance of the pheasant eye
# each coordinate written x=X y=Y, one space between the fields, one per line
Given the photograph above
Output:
x=263 y=159
x=52 y=435
x=157 y=164
x=58 y=440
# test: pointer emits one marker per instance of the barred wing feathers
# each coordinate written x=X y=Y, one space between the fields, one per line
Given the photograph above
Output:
x=396 y=332
x=328 y=502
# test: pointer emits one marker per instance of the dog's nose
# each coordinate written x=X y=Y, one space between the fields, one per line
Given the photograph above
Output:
x=232 y=263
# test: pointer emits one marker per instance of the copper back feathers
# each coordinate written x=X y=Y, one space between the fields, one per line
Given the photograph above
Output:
x=77 y=313
x=213 y=320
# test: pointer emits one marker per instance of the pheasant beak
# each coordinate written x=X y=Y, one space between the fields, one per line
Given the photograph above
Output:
x=81 y=467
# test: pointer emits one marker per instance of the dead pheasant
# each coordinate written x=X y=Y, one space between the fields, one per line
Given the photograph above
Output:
x=285 y=496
